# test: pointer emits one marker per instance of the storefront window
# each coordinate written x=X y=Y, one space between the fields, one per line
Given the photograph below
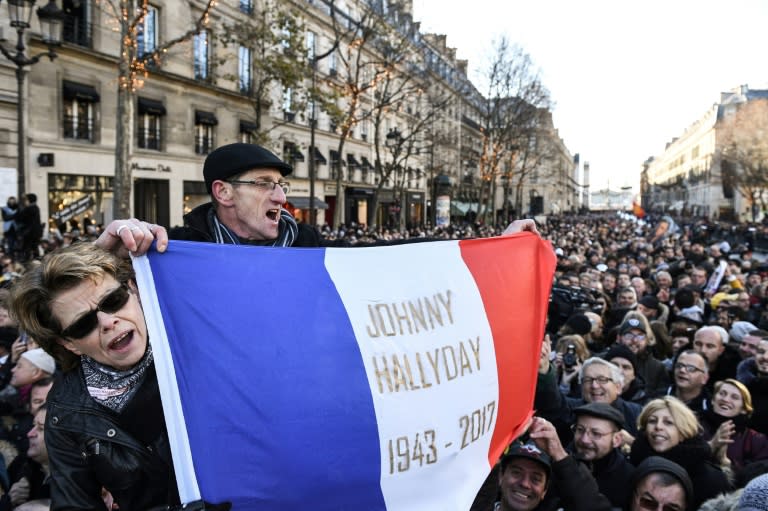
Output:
x=79 y=202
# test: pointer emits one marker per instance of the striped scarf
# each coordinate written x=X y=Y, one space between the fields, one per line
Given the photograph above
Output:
x=286 y=235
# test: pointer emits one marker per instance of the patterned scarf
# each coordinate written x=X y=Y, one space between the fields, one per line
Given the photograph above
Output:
x=111 y=387
x=286 y=235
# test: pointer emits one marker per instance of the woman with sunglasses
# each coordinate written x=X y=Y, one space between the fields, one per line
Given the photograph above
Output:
x=668 y=428
x=105 y=423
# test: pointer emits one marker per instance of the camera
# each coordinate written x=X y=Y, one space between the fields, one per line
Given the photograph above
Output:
x=567 y=300
x=569 y=358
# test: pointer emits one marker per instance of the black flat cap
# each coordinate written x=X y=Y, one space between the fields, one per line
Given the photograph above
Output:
x=232 y=159
x=601 y=411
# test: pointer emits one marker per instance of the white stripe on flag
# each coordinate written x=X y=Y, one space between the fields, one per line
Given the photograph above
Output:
x=431 y=366
x=166 y=377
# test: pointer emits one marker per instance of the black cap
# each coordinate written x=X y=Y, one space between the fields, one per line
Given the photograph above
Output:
x=601 y=411
x=650 y=301
x=233 y=159
x=620 y=350
x=658 y=464
x=528 y=450
x=630 y=324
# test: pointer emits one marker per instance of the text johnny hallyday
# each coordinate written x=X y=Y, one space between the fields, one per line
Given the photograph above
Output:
x=421 y=369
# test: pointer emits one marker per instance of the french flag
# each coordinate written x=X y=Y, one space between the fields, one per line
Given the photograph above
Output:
x=380 y=378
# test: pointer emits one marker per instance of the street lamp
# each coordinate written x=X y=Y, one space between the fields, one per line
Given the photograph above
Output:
x=394 y=142
x=51 y=19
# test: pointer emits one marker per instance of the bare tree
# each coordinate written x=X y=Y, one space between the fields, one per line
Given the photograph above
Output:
x=275 y=37
x=743 y=153
x=134 y=66
x=513 y=98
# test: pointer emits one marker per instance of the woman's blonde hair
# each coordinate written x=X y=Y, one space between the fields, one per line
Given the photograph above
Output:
x=685 y=420
x=579 y=343
x=746 y=397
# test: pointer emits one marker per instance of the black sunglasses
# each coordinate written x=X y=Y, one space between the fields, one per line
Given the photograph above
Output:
x=88 y=322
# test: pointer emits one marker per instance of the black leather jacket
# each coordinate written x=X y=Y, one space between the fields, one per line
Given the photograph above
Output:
x=90 y=447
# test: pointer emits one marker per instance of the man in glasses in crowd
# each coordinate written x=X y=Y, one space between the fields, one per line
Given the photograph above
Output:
x=691 y=374
x=248 y=191
x=660 y=484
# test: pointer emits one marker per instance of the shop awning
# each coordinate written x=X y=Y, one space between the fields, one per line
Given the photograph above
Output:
x=319 y=158
x=351 y=161
x=208 y=118
x=248 y=127
x=296 y=154
x=79 y=91
x=303 y=203
x=151 y=107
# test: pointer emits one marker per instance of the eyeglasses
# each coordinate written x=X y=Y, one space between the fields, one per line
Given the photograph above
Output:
x=579 y=430
x=263 y=184
x=648 y=502
x=633 y=337
x=88 y=322
x=602 y=380
x=688 y=368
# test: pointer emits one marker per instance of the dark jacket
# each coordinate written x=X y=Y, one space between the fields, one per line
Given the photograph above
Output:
x=196 y=229
x=551 y=404
x=758 y=387
x=698 y=405
x=727 y=364
x=695 y=456
x=613 y=474
x=654 y=374
x=90 y=446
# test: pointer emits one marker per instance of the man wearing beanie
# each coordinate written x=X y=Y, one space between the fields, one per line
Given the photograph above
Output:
x=634 y=385
x=755 y=495
x=248 y=189
x=659 y=483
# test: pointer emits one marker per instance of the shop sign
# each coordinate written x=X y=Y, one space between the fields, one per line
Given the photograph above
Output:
x=73 y=209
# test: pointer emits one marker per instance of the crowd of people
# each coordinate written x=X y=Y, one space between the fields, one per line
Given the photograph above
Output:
x=652 y=387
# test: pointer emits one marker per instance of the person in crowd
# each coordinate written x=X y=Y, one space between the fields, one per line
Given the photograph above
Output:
x=597 y=440
x=681 y=337
x=660 y=484
x=30 y=472
x=626 y=298
x=601 y=382
x=595 y=336
x=755 y=495
x=104 y=425
x=636 y=334
x=712 y=342
x=749 y=342
x=725 y=426
x=753 y=372
x=29 y=228
x=668 y=428
x=540 y=475
x=571 y=352
x=9 y=224
x=633 y=389
x=691 y=374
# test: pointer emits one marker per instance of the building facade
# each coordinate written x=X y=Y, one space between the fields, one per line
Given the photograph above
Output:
x=197 y=97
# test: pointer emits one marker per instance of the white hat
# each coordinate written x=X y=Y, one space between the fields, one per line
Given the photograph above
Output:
x=40 y=359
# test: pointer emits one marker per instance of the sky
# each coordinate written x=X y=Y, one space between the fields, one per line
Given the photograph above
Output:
x=626 y=77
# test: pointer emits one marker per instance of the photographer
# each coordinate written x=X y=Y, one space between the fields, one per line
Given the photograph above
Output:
x=570 y=352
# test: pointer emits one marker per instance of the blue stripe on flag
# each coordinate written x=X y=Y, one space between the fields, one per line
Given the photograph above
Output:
x=254 y=432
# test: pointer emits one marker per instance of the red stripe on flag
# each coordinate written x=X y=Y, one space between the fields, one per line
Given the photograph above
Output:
x=514 y=276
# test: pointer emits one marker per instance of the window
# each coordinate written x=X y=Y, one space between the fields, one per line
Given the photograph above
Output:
x=146 y=37
x=246 y=6
x=76 y=26
x=201 y=50
x=248 y=132
x=205 y=122
x=332 y=64
x=364 y=130
x=150 y=114
x=244 y=69
x=288 y=113
x=79 y=111
x=310 y=46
